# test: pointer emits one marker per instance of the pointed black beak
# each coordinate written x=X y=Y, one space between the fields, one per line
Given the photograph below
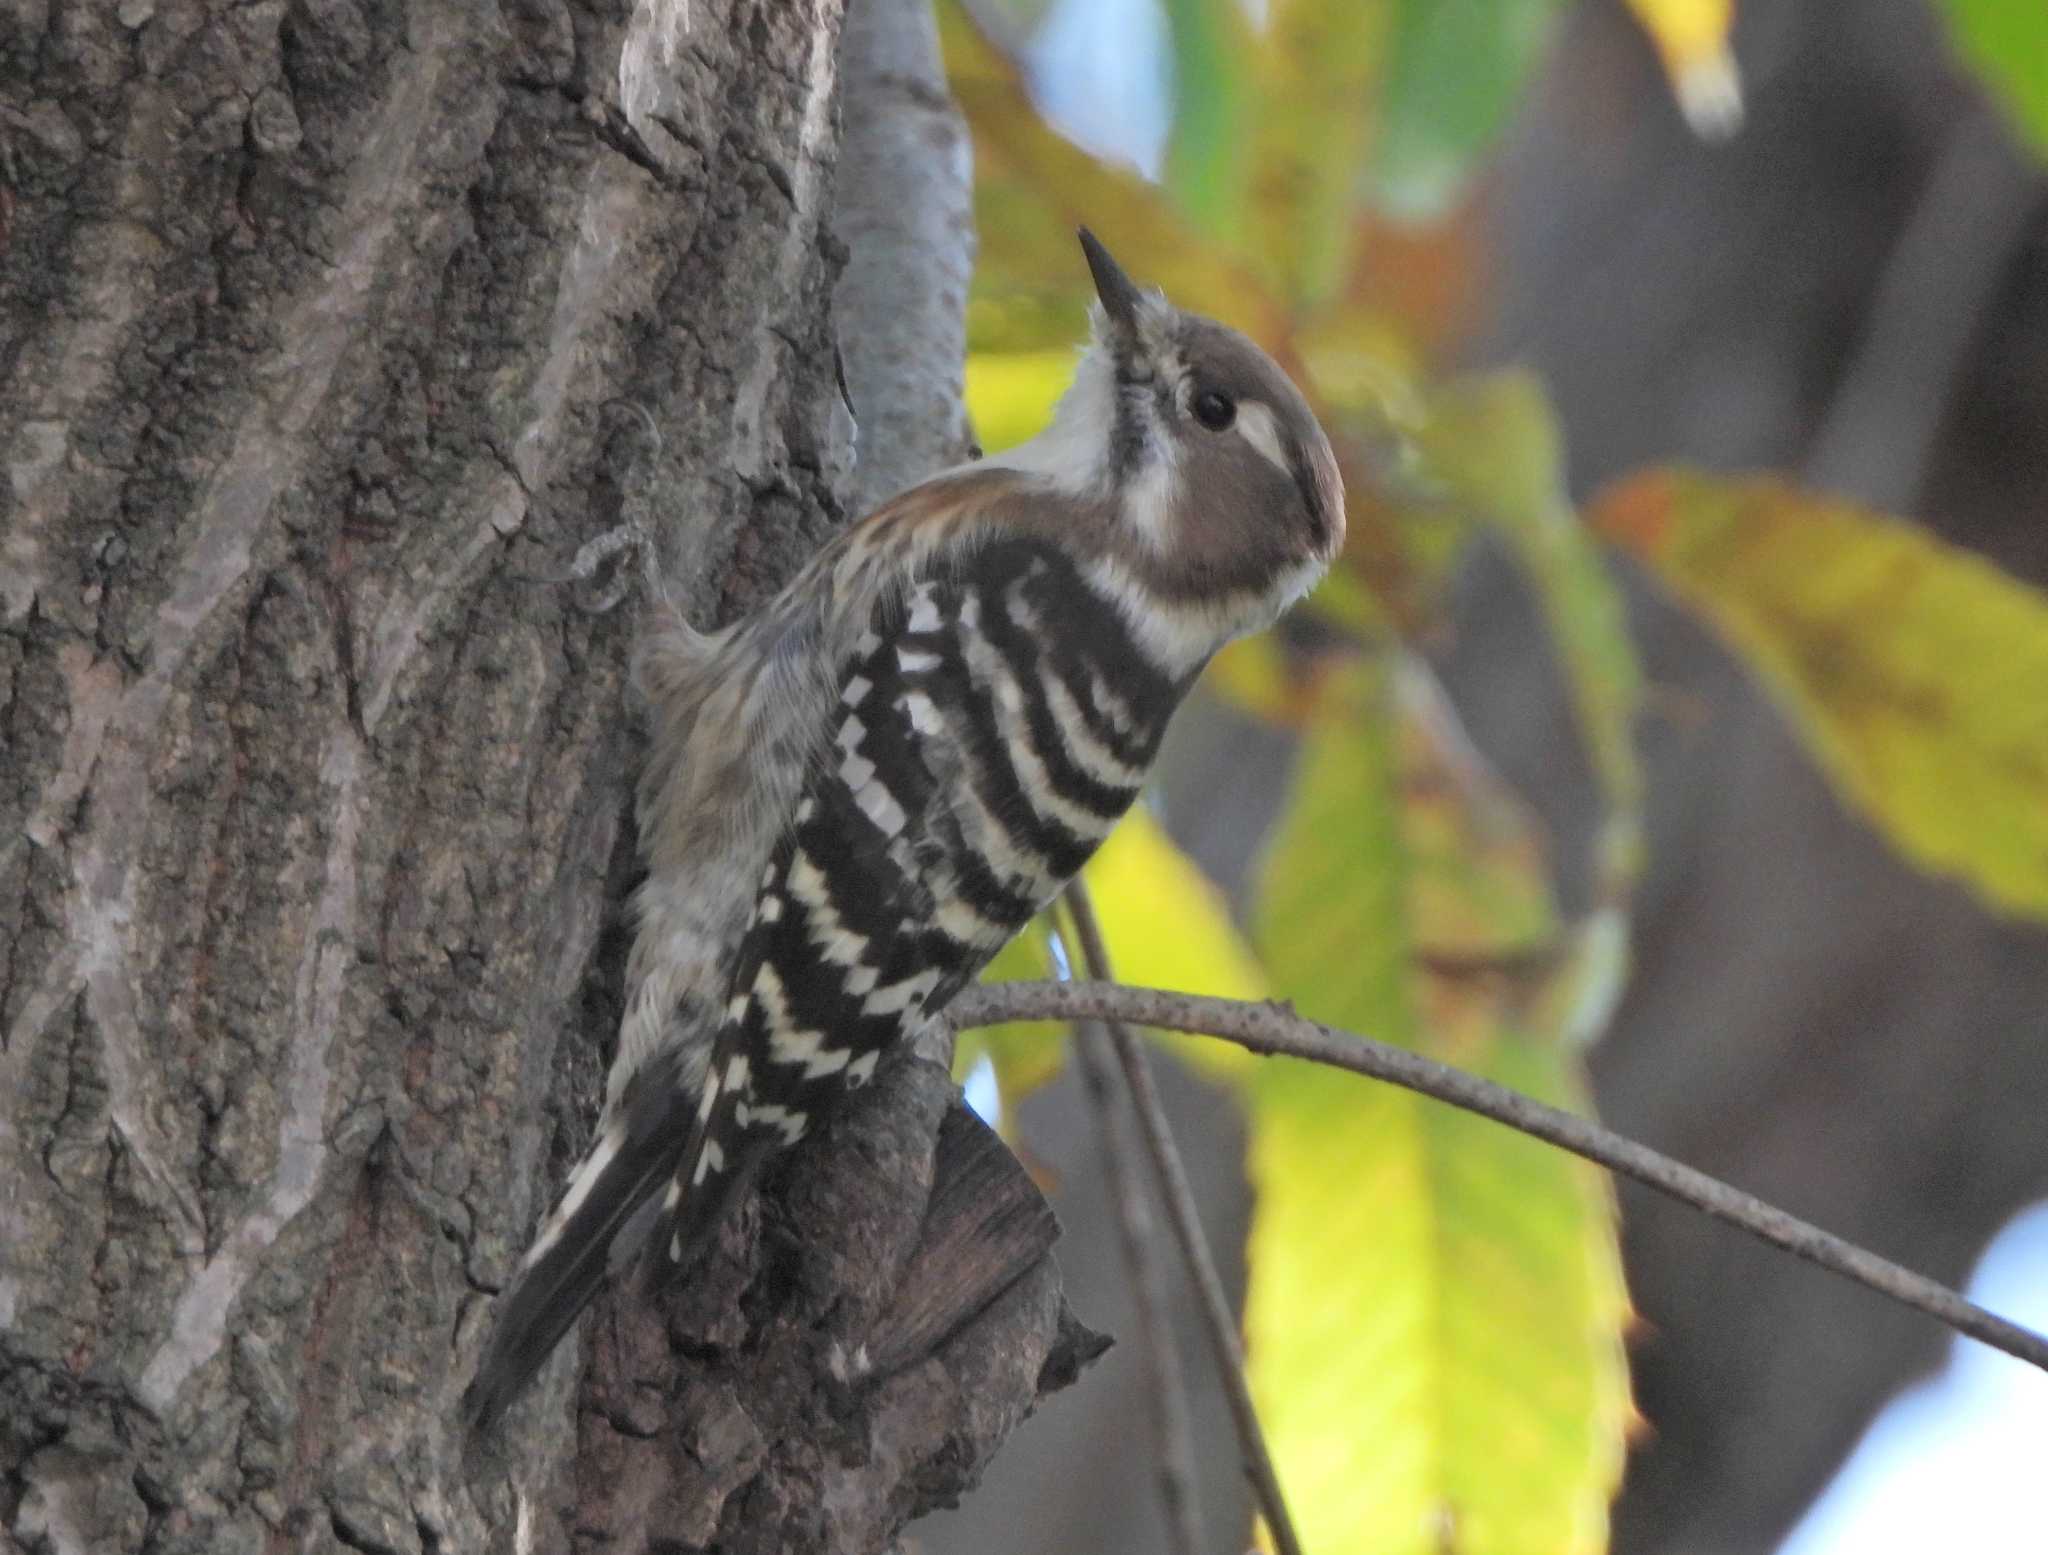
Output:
x=1119 y=295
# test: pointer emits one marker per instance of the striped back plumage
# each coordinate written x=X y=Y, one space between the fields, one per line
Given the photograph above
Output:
x=992 y=728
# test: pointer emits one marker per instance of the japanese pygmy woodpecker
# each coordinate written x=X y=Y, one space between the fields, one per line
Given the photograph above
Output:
x=858 y=794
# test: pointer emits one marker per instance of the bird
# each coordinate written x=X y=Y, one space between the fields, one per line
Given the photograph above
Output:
x=856 y=795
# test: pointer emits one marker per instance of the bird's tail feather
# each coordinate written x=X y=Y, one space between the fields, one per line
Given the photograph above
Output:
x=556 y=1281
x=605 y=1218
x=684 y=1228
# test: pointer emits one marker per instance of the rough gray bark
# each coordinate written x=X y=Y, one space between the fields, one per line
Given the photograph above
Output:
x=326 y=331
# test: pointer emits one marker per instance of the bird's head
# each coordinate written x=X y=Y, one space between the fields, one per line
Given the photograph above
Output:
x=1213 y=485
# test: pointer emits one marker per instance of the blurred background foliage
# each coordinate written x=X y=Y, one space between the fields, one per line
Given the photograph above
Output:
x=1435 y=1313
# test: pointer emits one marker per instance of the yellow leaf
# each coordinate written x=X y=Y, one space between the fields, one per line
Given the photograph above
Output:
x=1433 y=1322
x=1033 y=187
x=1914 y=671
x=1010 y=394
x=1436 y=1303
x=1166 y=925
x=1692 y=40
x=1167 y=922
x=1255 y=676
x=1315 y=94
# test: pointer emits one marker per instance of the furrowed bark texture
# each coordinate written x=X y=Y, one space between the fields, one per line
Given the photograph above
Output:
x=326 y=334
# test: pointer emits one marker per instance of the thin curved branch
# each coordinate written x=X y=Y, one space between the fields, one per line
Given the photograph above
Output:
x=1217 y=1320
x=1168 y=1391
x=1939 y=283
x=1276 y=1031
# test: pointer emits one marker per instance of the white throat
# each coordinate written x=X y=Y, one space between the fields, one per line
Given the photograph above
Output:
x=1072 y=453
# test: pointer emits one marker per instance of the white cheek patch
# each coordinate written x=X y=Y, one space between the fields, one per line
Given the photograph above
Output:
x=1256 y=424
x=1151 y=496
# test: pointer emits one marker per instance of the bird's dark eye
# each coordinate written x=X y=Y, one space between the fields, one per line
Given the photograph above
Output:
x=1215 y=411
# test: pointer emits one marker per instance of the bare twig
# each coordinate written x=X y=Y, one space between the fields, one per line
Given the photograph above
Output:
x=1275 y=1030
x=1218 y=1322
x=1168 y=1390
x=1972 y=216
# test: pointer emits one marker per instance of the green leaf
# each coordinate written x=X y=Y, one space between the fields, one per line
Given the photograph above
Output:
x=1492 y=447
x=1207 y=165
x=1436 y=1302
x=1332 y=898
x=1316 y=86
x=1912 y=670
x=2006 y=43
x=1477 y=887
x=1455 y=73
x=1033 y=187
x=1433 y=1322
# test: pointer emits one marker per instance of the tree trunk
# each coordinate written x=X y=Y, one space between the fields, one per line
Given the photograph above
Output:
x=343 y=343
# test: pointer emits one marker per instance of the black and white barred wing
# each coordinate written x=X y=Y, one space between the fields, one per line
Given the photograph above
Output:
x=992 y=730
x=843 y=955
